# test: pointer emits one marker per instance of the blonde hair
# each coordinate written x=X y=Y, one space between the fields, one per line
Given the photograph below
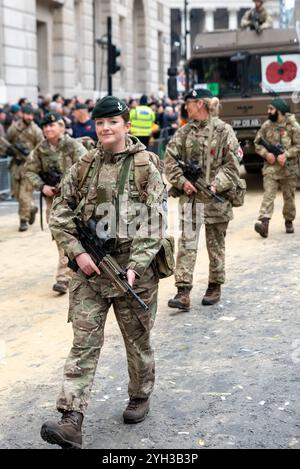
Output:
x=212 y=105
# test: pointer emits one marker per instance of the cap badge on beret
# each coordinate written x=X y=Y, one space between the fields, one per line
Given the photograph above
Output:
x=194 y=93
x=120 y=107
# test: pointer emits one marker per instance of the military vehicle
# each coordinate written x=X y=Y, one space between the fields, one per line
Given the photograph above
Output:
x=246 y=70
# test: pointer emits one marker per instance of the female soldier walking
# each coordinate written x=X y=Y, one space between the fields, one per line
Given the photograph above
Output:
x=92 y=188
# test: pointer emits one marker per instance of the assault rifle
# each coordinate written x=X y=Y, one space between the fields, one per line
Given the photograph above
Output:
x=100 y=251
x=50 y=178
x=193 y=173
x=277 y=150
x=15 y=150
x=255 y=23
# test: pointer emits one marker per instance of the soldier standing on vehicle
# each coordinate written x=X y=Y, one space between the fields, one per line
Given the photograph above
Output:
x=51 y=159
x=257 y=19
x=120 y=167
x=281 y=128
x=213 y=144
x=26 y=135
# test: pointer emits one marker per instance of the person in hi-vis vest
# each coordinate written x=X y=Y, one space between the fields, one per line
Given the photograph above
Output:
x=142 y=119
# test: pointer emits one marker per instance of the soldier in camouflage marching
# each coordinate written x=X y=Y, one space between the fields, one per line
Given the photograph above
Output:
x=257 y=18
x=54 y=155
x=280 y=128
x=27 y=135
x=92 y=189
x=213 y=144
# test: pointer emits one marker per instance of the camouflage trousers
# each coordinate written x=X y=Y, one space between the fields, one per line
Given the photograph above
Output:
x=22 y=191
x=88 y=312
x=63 y=273
x=271 y=185
x=187 y=254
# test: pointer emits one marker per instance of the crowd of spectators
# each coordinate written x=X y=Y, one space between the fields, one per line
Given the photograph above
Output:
x=170 y=115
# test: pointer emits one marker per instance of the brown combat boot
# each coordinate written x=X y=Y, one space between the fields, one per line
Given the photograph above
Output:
x=181 y=300
x=61 y=287
x=137 y=410
x=66 y=433
x=263 y=227
x=289 y=227
x=212 y=295
x=33 y=213
x=23 y=226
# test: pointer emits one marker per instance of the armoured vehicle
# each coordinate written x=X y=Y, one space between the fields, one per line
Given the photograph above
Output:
x=245 y=70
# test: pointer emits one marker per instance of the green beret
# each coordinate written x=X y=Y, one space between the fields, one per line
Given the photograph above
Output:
x=281 y=105
x=27 y=109
x=200 y=93
x=109 y=106
x=50 y=118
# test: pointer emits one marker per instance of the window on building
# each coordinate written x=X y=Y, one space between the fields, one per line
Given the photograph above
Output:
x=176 y=38
x=241 y=13
x=221 y=18
x=197 y=23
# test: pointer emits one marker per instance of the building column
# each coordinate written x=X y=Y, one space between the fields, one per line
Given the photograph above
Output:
x=233 y=20
x=189 y=45
x=209 y=20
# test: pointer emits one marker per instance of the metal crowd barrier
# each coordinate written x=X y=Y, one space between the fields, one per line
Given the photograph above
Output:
x=5 y=186
x=159 y=144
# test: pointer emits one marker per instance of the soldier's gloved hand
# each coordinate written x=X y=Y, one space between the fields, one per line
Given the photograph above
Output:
x=188 y=188
x=86 y=264
x=11 y=151
x=281 y=159
x=49 y=191
x=270 y=158
x=131 y=277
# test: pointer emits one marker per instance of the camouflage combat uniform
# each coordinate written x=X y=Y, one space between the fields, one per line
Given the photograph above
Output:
x=91 y=298
x=45 y=158
x=287 y=134
x=29 y=136
x=264 y=18
x=191 y=143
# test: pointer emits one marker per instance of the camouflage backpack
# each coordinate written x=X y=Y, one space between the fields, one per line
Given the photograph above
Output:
x=164 y=263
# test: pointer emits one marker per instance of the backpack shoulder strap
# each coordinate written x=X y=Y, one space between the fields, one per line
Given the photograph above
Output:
x=142 y=162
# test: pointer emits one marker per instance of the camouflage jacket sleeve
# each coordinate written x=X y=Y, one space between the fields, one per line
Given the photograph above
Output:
x=260 y=150
x=246 y=20
x=61 y=222
x=294 y=150
x=79 y=151
x=268 y=21
x=144 y=250
x=12 y=133
x=175 y=152
x=33 y=167
x=227 y=175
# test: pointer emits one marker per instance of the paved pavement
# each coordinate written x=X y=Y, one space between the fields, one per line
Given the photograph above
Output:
x=227 y=376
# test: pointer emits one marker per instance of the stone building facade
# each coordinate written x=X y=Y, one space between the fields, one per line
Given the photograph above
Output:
x=51 y=46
